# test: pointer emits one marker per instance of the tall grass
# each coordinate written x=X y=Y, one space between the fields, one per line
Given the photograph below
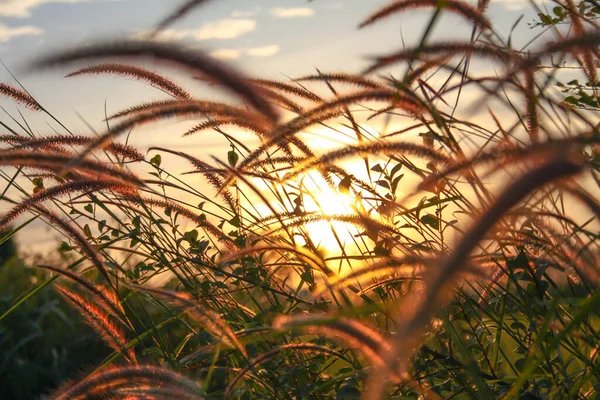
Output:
x=439 y=257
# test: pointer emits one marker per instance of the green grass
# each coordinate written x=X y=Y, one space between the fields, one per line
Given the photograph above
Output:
x=430 y=255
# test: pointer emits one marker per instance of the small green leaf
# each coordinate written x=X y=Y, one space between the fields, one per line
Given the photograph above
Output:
x=232 y=158
x=396 y=169
x=191 y=236
x=156 y=160
x=377 y=168
x=396 y=181
x=572 y=100
x=383 y=183
x=344 y=186
x=235 y=221
x=87 y=231
x=64 y=247
x=89 y=208
x=558 y=11
x=431 y=220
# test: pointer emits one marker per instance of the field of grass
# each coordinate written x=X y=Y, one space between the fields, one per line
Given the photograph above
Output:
x=439 y=239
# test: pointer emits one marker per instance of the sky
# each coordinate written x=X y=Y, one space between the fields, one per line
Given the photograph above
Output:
x=274 y=39
x=266 y=38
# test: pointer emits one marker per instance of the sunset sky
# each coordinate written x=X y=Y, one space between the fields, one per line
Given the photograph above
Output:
x=267 y=38
x=274 y=39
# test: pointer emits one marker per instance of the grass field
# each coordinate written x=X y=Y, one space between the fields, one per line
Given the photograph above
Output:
x=425 y=229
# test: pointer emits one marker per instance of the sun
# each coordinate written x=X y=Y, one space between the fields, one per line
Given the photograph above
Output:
x=330 y=234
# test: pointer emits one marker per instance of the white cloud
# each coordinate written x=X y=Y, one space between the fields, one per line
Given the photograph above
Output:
x=266 y=51
x=225 y=29
x=166 y=35
x=222 y=29
x=7 y=33
x=22 y=8
x=226 y=54
x=291 y=12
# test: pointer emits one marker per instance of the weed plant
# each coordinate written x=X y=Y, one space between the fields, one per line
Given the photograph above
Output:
x=459 y=258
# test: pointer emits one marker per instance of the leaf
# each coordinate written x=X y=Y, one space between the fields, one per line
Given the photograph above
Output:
x=383 y=183
x=344 y=186
x=396 y=169
x=377 y=168
x=379 y=250
x=64 y=247
x=395 y=182
x=558 y=11
x=87 y=231
x=235 y=221
x=191 y=236
x=156 y=160
x=89 y=208
x=232 y=158
x=431 y=220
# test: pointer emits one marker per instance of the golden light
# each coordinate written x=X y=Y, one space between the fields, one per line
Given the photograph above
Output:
x=329 y=234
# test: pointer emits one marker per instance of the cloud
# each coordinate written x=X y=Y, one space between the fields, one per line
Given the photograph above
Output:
x=266 y=51
x=233 y=54
x=226 y=54
x=7 y=33
x=225 y=29
x=166 y=35
x=22 y=8
x=222 y=29
x=291 y=12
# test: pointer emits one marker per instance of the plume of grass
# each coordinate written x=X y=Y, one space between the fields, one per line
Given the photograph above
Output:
x=210 y=320
x=196 y=61
x=58 y=161
x=403 y=266
x=581 y=43
x=119 y=149
x=107 y=300
x=152 y=112
x=19 y=96
x=454 y=6
x=182 y=107
x=447 y=49
x=353 y=333
x=438 y=280
x=282 y=100
x=190 y=215
x=61 y=190
x=284 y=132
x=368 y=148
x=118 y=381
x=501 y=158
x=101 y=321
x=77 y=237
x=355 y=80
x=220 y=121
x=374 y=226
x=329 y=110
x=139 y=73
x=287 y=88
x=215 y=179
